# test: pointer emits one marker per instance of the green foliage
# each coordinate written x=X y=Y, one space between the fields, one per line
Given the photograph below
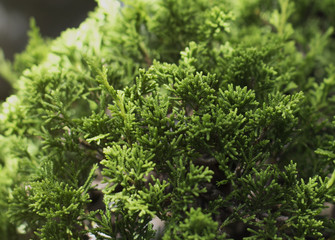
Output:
x=213 y=118
x=36 y=50
x=197 y=225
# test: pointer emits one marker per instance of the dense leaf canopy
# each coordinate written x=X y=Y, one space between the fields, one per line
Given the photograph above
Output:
x=213 y=116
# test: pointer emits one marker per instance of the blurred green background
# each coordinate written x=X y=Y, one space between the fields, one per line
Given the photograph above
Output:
x=52 y=17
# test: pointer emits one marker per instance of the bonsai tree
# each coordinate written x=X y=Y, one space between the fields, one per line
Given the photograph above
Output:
x=173 y=119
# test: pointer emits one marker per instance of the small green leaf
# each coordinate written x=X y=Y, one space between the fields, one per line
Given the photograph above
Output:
x=97 y=138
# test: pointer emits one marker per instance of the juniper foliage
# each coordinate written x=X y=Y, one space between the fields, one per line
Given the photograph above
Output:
x=215 y=117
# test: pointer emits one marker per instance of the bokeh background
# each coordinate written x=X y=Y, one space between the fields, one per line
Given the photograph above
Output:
x=52 y=17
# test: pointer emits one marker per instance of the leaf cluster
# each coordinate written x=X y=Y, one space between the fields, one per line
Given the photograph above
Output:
x=212 y=117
